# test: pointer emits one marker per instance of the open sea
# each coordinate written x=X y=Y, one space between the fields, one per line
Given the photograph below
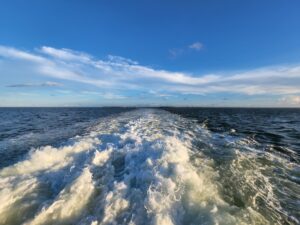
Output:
x=144 y=166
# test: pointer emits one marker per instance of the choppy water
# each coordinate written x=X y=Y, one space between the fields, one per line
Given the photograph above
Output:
x=149 y=166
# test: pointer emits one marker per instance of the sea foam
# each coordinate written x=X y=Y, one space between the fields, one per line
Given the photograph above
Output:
x=140 y=167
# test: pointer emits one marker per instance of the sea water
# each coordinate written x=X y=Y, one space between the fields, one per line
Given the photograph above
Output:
x=149 y=166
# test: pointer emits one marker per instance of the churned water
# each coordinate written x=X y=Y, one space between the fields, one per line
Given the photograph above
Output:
x=149 y=166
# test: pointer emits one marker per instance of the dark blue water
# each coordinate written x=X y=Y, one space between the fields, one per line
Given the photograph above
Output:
x=276 y=130
x=22 y=129
x=164 y=166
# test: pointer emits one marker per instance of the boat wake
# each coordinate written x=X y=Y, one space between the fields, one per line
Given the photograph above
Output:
x=149 y=167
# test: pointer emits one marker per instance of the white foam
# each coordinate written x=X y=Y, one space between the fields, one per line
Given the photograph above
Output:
x=49 y=158
x=138 y=168
x=69 y=204
x=101 y=157
x=114 y=203
x=12 y=193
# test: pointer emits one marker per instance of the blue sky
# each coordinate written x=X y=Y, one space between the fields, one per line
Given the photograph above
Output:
x=178 y=53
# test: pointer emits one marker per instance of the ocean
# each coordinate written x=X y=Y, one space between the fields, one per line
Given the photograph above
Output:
x=141 y=166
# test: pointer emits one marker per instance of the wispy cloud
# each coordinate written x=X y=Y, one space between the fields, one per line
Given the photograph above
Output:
x=113 y=96
x=197 y=46
x=105 y=95
x=118 y=73
x=45 y=84
x=176 y=52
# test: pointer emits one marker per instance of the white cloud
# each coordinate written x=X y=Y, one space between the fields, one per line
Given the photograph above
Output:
x=18 y=54
x=66 y=92
x=176 y=52
x=65 y=54
x=196 y=46
x=113 y=96
x=105 y=95
x=118 y=73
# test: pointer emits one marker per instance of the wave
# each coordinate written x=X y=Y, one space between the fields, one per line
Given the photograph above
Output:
x=149 y=167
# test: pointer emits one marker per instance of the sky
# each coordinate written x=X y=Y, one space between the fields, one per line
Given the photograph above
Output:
x=210 y=53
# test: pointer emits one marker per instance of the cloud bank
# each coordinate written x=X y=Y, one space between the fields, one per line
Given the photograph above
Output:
x=118 y=73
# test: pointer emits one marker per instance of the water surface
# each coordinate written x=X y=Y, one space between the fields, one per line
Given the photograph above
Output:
x=149 y=166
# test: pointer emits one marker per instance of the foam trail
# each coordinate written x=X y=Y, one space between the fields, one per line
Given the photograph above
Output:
x=142 y=167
